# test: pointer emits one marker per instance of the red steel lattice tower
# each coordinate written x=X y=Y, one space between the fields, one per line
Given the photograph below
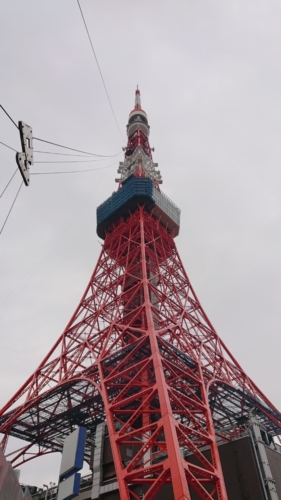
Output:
x=140 y=353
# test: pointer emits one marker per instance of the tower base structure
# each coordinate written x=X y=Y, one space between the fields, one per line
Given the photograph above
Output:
x=242 y=467
x=141 y=354
x=246 y=460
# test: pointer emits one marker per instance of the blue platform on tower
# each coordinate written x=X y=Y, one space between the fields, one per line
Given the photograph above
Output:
x=135 y=192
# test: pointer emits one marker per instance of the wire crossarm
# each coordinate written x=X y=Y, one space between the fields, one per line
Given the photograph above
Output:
x=25 y=158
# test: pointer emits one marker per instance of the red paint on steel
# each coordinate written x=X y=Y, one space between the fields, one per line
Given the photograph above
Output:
x=142 y=338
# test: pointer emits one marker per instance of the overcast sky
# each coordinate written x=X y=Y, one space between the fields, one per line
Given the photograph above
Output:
x=210 y=78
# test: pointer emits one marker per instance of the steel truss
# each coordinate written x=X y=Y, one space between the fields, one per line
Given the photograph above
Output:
x=140 y=353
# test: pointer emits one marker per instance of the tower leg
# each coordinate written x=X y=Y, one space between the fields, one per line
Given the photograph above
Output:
x=155 y=403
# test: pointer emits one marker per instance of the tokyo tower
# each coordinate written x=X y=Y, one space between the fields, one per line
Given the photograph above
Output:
x=141 y=356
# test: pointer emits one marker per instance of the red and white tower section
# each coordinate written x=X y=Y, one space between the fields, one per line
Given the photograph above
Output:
x=138 y=153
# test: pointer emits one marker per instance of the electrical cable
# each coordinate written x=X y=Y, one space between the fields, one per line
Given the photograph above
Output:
x=71 y=161
x=60 y=154
x=99 y=69
x=8 y=146
x=11 y=208
x=9 y=116
x=71 y=171
x=77 y=150
x=8 y=183
x=53 y=143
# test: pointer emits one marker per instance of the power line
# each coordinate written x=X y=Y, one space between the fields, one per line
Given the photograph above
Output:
x=8 y=183
x=11 y=208
x=61 y=154
x=71 y=161
x=8 y=117
x=72 y=171
x=8 y=146
x=53 y=143
x=64 y=154
x=99 y=69
x=77 y=150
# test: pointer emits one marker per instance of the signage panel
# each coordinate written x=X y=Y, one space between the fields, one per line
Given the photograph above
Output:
x=69 y=488
x=73 y=453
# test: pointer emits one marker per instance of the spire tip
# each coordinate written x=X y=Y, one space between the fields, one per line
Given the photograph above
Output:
x=137 y=99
